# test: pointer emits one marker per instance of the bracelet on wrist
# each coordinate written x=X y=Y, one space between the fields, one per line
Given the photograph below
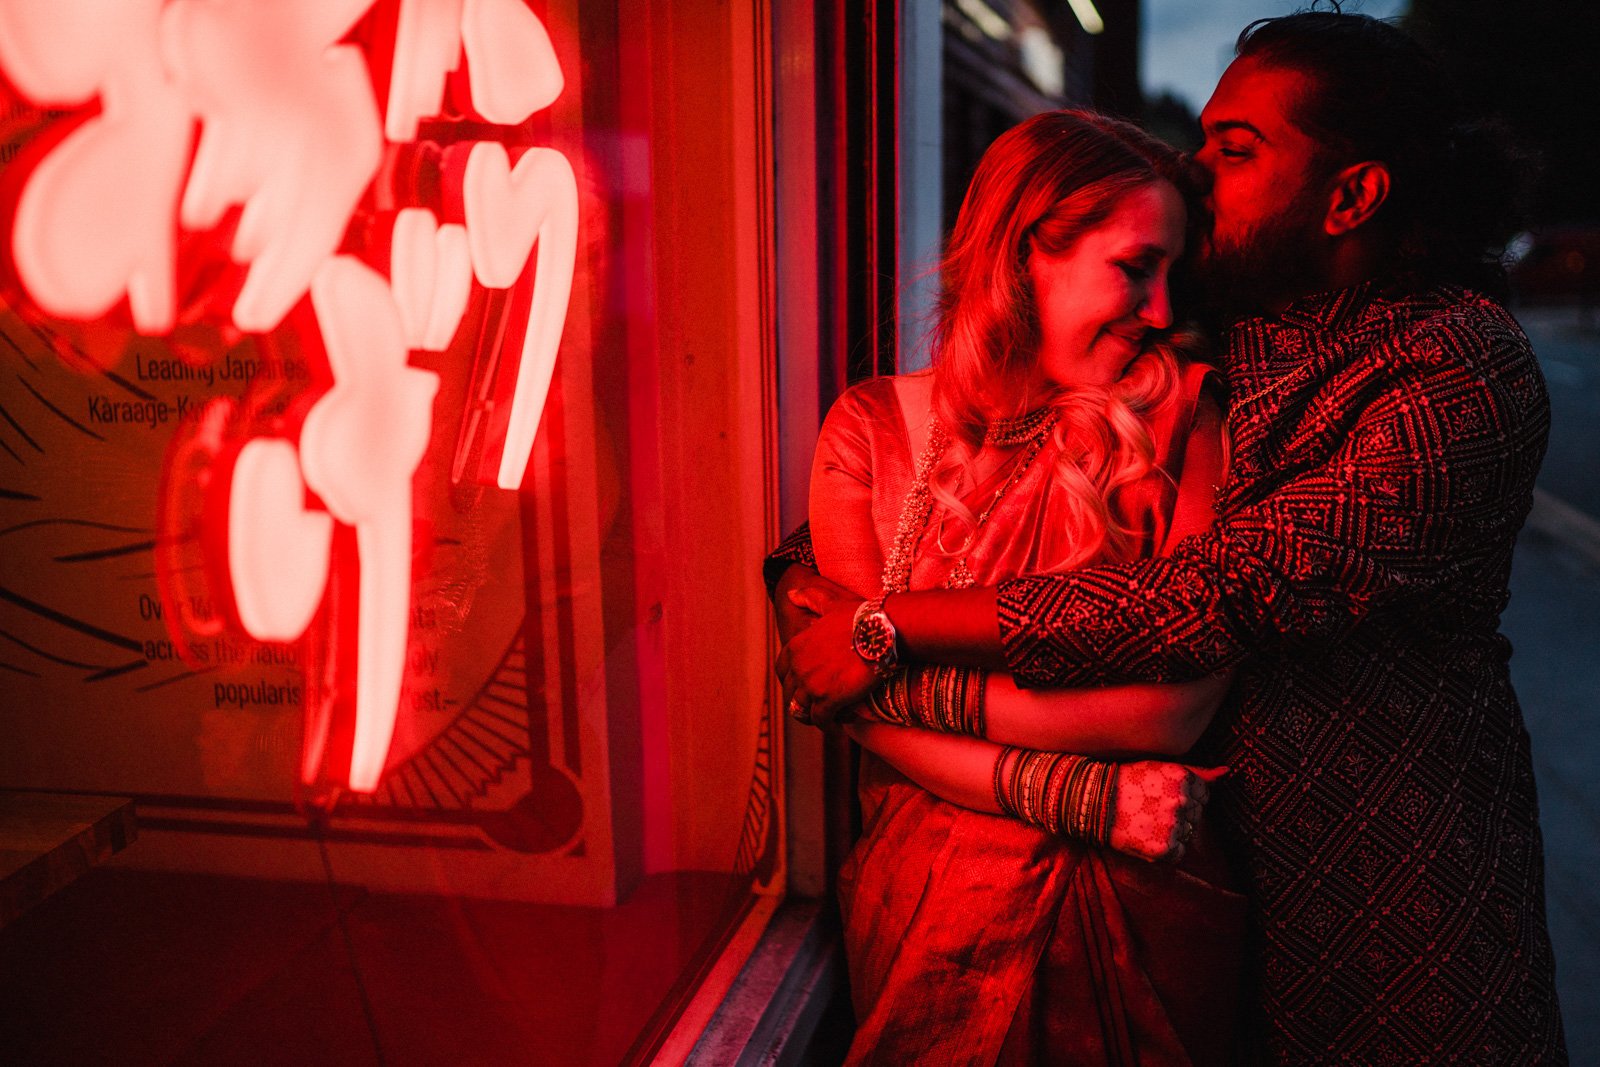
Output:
x=1058 y=792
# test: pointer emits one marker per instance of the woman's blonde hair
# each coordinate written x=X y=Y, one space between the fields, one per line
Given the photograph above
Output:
x=1040 y=187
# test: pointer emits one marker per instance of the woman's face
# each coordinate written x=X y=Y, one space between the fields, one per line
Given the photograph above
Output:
x=1100 y=298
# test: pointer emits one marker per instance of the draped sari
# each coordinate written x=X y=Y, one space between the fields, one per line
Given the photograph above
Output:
x=978 y=939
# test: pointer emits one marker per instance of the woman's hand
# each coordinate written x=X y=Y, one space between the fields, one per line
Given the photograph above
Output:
x=819 y=668
x=1157 y=807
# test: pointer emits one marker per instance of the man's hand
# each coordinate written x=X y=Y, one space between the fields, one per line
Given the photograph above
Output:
x=801 y=596
x=819 y=668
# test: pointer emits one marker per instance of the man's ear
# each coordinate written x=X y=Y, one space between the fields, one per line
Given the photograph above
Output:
x=1358 y=192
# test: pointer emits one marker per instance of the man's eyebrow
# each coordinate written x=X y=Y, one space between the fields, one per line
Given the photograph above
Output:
x=1225 y=125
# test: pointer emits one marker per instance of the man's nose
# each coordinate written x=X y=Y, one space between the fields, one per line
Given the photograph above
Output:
x=1205 y=174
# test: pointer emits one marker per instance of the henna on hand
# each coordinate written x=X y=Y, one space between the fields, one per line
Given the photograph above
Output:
x=1158 y=805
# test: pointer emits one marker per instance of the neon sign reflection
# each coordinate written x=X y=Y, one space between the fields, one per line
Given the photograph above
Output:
x=287 y=140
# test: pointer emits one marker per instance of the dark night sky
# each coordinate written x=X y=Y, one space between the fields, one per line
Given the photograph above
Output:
x=1187 y=43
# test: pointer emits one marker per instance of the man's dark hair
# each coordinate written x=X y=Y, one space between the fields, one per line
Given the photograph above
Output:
x=1377 y=93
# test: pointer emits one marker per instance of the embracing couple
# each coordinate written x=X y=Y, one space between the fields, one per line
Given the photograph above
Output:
x=1053 y=591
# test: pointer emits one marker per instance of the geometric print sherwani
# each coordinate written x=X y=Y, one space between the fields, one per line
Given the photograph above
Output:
x=1381 y=802
x=1382 y=796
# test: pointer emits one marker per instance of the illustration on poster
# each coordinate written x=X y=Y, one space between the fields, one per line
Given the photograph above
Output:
x=279 y=114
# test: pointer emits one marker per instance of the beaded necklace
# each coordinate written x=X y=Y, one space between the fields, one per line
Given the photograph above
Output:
x=1005 y=432
x=918 y=508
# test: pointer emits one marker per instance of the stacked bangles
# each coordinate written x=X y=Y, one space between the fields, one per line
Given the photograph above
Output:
x=1057 y=791
x=947 y=699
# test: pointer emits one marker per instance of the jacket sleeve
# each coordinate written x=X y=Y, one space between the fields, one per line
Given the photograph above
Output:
x=1431 y=454
x=796 y=548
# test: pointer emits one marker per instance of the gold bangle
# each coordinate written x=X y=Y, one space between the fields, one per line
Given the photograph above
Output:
x=1001 y=798
x=1019 y=785
x=974 y=697
x=890 y=701
x=1031 y=786
x=1108 y=802
x=933 y=701
x=948 y=714
x=958 y=700
x=1073 y=798
x=947 y=700
x=1058 y=794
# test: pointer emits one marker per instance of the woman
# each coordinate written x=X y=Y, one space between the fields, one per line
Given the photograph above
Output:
x=1060 y=426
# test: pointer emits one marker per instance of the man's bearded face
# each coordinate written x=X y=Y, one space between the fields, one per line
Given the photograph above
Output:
x=1248 y=268
x=1266 y=244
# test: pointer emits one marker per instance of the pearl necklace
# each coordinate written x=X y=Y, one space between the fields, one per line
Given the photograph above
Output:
x=918 y=508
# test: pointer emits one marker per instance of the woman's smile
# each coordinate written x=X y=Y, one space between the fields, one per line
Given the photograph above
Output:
x=1099 y=300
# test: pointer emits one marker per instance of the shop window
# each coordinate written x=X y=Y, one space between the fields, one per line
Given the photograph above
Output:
x=385 y=460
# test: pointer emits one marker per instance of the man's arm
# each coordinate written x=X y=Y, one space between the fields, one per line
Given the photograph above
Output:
x=1430 y=475
x=796 y=548
x=1434 y=477
x=1144 y=718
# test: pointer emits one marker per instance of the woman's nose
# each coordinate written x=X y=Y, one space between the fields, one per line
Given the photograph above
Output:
x=1157 y=306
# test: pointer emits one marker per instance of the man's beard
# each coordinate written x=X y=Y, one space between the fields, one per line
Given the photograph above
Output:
x=1265 y=267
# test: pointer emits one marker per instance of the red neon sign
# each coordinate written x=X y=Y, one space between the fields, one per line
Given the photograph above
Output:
x=256 y=121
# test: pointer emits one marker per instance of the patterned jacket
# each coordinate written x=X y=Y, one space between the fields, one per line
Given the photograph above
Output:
x=1382 y=796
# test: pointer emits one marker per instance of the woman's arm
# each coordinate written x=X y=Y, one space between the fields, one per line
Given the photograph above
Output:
x=962 y=627
x=1159 y=720
x=1155 y=804
x=1140 y=718
x=1110 y=723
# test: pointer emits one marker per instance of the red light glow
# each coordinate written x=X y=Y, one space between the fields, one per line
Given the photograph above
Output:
x=508 y=211
x=431 y=271
x=278 y=550
x=290 y=143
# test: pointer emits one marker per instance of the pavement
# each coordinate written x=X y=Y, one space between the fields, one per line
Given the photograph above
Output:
x=1553 y=622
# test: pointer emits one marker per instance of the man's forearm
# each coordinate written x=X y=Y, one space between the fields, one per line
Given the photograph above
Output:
x=955 y=626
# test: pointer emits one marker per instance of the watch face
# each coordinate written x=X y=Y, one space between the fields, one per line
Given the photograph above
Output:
x=874 y=639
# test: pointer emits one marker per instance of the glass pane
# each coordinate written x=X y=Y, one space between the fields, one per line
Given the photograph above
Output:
x=437 y=687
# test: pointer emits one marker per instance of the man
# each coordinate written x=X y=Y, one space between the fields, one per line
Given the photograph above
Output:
x=1387 y=423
